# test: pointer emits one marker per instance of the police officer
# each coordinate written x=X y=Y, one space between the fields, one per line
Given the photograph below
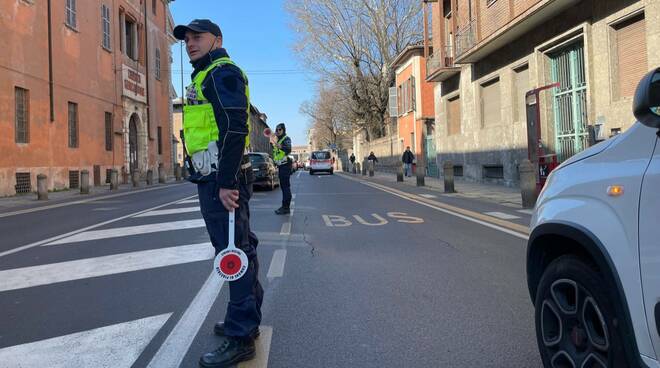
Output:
x=216 y=133
x=281 y=151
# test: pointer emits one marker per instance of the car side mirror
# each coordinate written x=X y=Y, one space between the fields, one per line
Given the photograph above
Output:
x=646 y=105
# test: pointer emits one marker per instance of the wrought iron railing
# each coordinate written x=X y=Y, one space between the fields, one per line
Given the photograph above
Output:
x=466 y=37
x=440 y=60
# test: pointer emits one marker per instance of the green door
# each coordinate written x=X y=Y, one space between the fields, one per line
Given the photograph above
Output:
x=430 y=156
x=570 y=101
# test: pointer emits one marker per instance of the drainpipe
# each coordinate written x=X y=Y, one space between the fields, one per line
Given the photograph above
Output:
x=50 y=65
x=146 y=62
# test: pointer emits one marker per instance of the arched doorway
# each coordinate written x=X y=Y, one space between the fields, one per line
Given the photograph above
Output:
x=133 y=143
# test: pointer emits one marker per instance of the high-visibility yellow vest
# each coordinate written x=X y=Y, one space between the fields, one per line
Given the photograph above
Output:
x=278 y=154
x=199 y=126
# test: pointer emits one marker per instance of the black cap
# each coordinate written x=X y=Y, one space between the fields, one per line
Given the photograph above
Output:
x=198 y=26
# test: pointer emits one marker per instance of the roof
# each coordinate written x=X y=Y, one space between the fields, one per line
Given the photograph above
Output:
x=408 y=51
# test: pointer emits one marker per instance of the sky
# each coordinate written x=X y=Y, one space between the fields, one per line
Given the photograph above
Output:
x=257 y=36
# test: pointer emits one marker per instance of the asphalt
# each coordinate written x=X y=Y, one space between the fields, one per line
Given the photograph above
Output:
x=413 y=286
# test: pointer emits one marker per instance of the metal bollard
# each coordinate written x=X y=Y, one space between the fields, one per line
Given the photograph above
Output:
x=114 y=179
x=354 y=169
x=420 y=177
x=177 y=172
x=364 y=168
x=448 y=171
x=399 y=174
x=150 y=177
x=42 y=187
x=371 y=167
x=161 y=174
x=528 y=184
x=84 y=182
x=135 y=178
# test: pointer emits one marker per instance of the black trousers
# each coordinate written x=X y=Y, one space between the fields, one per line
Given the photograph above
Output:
x=245 y=294
x=284 y=174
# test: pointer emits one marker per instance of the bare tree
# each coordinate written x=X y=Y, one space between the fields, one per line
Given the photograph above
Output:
x=329 y=120
x=352 y=43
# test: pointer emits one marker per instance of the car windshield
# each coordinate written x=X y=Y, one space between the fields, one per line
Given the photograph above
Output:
x=321 y=155
x=257 y=159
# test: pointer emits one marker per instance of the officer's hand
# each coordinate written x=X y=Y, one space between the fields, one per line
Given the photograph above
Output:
x=229 y=198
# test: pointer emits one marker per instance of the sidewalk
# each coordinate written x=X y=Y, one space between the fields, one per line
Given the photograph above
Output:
x=499 y=194
x=27 y=201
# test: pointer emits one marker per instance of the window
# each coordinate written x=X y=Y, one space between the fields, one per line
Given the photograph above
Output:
x=406 y=96
x=458 y=170
x=22 y=115
x=521 y=80
x=153 y=6
x=493 y=171
x=108 y=131
x=454 y=116
x=23 y=183
x=631 y=55
x=131 y=39
x=157 y=62
x=490 y=2
x=73 y=125
x=159 y=133
x=105 y=22
x=491 y=110
x=71 y=13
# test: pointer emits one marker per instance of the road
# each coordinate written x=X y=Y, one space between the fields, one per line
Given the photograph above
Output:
x=360 y=275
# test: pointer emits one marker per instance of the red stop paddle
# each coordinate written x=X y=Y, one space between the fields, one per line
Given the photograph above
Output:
x=231 y=263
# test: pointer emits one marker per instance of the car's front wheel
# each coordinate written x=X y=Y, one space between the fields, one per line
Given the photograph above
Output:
x=576 y=324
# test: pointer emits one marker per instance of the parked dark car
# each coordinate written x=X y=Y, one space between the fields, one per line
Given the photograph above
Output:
x=265 y=171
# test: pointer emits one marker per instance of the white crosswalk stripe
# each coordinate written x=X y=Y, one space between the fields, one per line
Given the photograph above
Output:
x=116 y=346
x=103 y=266
x=502 y=215
x=123 y=343
x=172 y=211
x=130 y=230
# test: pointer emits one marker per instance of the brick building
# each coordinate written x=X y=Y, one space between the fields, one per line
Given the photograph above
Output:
x=489 y=53
x=415 y=115
x=83 y=85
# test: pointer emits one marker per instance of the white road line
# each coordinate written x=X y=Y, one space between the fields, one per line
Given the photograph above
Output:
x=130 y=230
x=502 y=215
x=42 y=208
x=527 y=212
x=464 y=217
x=41 y=242
x=286 y=228
x=263 y=349
x=430 y=196
x=172 y=211
x=175 y=347
x=20 y=278
x=276 y=268
x=189 y=201
x=115 y=346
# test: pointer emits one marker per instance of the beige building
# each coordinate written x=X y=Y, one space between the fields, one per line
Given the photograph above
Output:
x=490 y=53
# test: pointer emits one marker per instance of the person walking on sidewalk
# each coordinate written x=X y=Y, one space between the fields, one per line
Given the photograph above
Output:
x=281 y=151
x=216 y=131
x=408 y=159
x=352 y=160
x=373 y=158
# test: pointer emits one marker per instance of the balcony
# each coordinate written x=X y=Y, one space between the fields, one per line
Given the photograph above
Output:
x=440 y=65
x=471 y=46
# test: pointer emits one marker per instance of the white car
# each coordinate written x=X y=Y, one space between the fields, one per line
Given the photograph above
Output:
x=593 y=257
x=321 y=161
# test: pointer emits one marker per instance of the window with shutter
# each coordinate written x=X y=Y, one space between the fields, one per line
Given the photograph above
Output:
x=108 y=131
x=22 y=113
x=454 y=116
x=105 y=22
x=73 y=125
x=521 y=79
x=631 y=55
x=71 y=13
x=491 y=110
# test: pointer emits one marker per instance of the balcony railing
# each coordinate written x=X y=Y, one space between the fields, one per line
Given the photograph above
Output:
x=440 y=60
x=466 y=37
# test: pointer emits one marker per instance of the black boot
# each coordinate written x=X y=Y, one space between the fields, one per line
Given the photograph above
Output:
x=283 y=211
x=219 y=330
x=232 y=351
